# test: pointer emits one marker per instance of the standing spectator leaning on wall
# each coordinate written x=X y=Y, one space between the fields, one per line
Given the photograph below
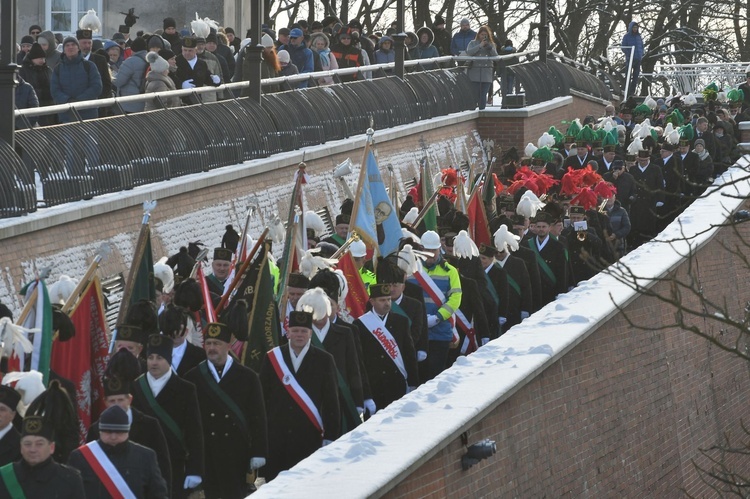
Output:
x=480 y=71
x=632 y=42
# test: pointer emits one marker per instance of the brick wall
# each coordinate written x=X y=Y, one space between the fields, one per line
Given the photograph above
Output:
x=622 y=414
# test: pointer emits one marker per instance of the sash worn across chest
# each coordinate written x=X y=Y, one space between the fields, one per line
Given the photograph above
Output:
x=11 y=482
x=162 y=414
x=436 y=295
x=106 y=471
x=294 y=389
x=542 y=264
x=222 y=398
x=377 y=328
x=469 y=344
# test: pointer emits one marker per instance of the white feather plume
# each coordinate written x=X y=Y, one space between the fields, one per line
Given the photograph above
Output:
x=28 y=384
x=13 y=338
x=645 y=130
x=529 y=150
x=607 y=124
x=311 y=263
x=673 y=137
x=505 y=240
x=411 y=217
x=722 y=97
x=635 y=146
x=316 y=302
x=314 y=222
x=668 y=129
x=200 y=27
x=650 y=102
x=546 y=140
x=165 y=274
x=408 y=260
x=529 y=205
x=276 y=230
x=343 y=285
x=211 y=23
x=90 y=21
x=193 y=335
x=60 y=291
x=463 y=246
x=689 y=99
x=407 y=234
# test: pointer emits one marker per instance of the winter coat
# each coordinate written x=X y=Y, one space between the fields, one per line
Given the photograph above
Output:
x=25 y=99
x=383 y=56
x=73 y=80
x=461 y=41
x=157 y=82
x=129 y=80
x=214 y=67
x=53 y=56
x=38 y=77
x=632 y=40
x=424 y=51
x=225 y=52
x=481 y=71
x=347 y=57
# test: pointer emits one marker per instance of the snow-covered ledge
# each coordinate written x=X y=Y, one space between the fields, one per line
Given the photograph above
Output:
x=378 y=455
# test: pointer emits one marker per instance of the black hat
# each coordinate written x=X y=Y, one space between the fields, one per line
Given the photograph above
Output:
x=342 y=218
x=124 y=365
x=577 y=210
x=544 y=217
x=114 y=385
x=124 y=29
x=300 y=319
x=84 y=34
x=223 y=254
x=160 y=345
x=9 y=397
x=284 y=31
x=388 y=271
x=316 y=25
x=212 y=38
x=172 y=319
x=169 y=22
x=438 y=21
x=297 y=280
x=218 y=331
x=346 y=207
x=380 y=290
x=138 y=45
x=328 y=281
x=27 y=40
x=644 y=153
x=36 y=427
x=127 y=332
x=228 y=31
x=5 y=312
x=166 y=54
x=35 y=27
x=114 y=419
x=668 y=147
x=487 y=250
x=189 y=42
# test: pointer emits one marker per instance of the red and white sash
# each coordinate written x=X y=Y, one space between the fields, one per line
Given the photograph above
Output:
x=106 y=471
x=469 y=344
x=377 y=328
x=436 y=295
x=295 y=390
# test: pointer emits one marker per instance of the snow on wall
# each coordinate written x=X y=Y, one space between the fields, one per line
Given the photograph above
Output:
x=380 y=453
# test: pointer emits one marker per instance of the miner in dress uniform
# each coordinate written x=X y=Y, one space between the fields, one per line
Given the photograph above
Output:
x=233 y=416
x=162 y=394
x=185 y=355
x=221 y=265
x=10 y=439
x=301 y=396
x=341 y=229
x=550 y=259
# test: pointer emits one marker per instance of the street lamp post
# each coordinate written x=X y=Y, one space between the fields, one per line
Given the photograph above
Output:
x=8 y=70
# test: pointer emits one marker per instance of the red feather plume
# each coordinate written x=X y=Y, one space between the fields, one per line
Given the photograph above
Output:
x=449 y=177
x=586 y=198
x=499 y=187
x=605 y=190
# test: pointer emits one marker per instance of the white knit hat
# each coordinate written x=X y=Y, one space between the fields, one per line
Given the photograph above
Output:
x=158 y=63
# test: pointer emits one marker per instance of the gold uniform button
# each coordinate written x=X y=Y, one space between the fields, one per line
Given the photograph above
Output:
x=212 y=414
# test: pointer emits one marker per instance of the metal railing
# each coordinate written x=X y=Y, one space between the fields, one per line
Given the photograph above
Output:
x=686 y=78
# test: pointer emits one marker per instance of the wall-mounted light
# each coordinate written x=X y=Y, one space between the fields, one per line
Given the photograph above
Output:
x=477 y=452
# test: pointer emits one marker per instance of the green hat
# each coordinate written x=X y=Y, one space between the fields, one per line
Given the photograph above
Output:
x=676 y=118
x=610 y=141
x=586 y=135
x=599 y=135
x=573 y=130
x=542 y=156
x=735 y=95
x=686 y=134
x=642 y=110
x=711 y=92
x=559 y=137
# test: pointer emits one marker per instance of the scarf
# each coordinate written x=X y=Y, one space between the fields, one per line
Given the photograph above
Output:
x=703 y=155
x=325 y=57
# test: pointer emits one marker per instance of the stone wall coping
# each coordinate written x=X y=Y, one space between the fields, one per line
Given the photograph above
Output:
x=381 y=453
x=71 y=212
x=528 y=111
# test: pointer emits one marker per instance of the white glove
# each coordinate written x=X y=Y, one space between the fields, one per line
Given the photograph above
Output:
x=432 y=320
x=485 y=341
x=421 y=355
x=524 y=315
x=327 y=442
x=659 y=204
x=257 y=462
x=192 y=481
x=502 y=320
x=370 y=406
x=215 y=79
x=188 y=84
x=360 y=410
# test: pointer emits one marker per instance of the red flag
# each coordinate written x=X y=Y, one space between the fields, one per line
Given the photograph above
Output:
x=479 y=229
x=357 y=297
x=210 y=313
x=83 y=358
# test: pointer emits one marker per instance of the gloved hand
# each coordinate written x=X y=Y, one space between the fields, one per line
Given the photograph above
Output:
x=432 y=320
x=327 y=442
x=192 y=481
x=215 y=79
x=257 y=462
x=410 y=389
x=502 y=320
x=360 y=410
x=421 y=355
x=524 y=315
x=370 y=406
x=659 y=204
x=188 y=84
x=485 y=341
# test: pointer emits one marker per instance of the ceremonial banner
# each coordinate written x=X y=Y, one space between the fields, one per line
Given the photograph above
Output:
x=39 y=319
x=479 y=230
x=385 y=213
x=139 y=284
x=295 y=243
x=430 y=218
x=263 y=321
x=83 y=358
x=357 y=297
